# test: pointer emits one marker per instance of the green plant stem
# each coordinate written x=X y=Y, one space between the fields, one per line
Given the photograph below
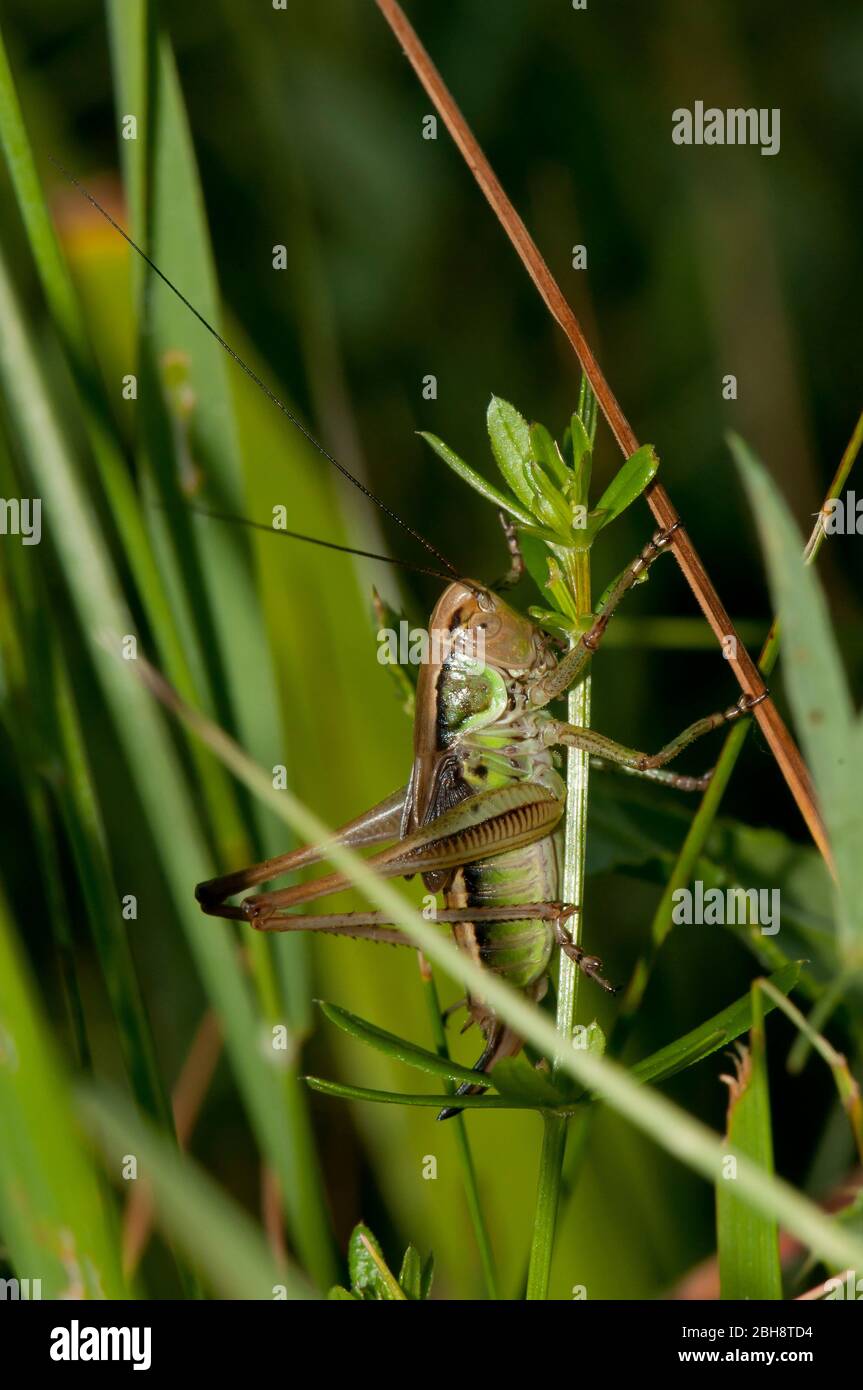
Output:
x=471 y=1186
x=577 y=567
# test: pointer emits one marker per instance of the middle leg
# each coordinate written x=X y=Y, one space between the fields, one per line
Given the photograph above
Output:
x=556 y=732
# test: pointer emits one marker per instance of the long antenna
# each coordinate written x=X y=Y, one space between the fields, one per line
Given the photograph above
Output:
x=252 y=374
x=314 y=540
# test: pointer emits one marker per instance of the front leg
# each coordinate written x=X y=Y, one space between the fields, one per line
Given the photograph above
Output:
x=567 y=671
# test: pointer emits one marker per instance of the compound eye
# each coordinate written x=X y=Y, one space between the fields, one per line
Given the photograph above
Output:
x=489 y=623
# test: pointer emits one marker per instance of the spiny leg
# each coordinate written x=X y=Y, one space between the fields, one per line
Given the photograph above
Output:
x=516 y=559
x=569 y=668
x=377 y=926
x=597 y=745
x=380 y=823
x=679 y=780
x=481 y=826
x=589 y=965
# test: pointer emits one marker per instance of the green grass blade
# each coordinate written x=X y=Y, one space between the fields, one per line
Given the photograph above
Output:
x=215 y=561
x=830 y=734
x=54 y=1216
x=716 y=1032
x=215 y=1234
x=119 y=488
x=748 y=1240
x=471 y=1185
x=86 y=832
x=159 y=782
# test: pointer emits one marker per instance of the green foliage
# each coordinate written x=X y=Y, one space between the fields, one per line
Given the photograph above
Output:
x=548 y=482
x=522 y=1087
x=373 y=1281
x=748 y=1240
x=105 y=796
x=831 y=734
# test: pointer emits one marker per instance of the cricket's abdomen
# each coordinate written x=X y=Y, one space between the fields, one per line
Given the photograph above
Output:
x=518 y=950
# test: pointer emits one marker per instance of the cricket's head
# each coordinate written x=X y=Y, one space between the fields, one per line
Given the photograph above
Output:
x=475 y=620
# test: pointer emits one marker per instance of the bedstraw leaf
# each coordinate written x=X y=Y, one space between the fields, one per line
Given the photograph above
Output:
x=475 y=480
x=510 y=442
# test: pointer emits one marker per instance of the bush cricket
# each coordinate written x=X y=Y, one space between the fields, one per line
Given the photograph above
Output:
x=479 y=818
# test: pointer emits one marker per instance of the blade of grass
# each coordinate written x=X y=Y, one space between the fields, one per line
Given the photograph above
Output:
x=669 y=1126
x=846 y=1085
x=716 y=1032
x=471 y=1186
x=55 y=1220
x=215 y=1234
x=214 y=561
x=748 y=1240
x=187 y=1098
x=86 y=832
x=65 y=309
x=817 y=690
x=157 y=777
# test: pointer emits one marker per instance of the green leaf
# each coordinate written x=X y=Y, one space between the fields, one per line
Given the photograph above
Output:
x=516 y=1078
x=578 y=449
x=474 y=479
x=411 y=1273
x=339 y=1293
x=347 y=1092
x=394 y=1046
x=715 y=1033
x=371 y=1277
x=510 y=442
x=556 y=623
x=427 y=1275
x=546 y=453
x=830 y=734
x=748 y=1240
x=628 y=483
x=549 y=505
